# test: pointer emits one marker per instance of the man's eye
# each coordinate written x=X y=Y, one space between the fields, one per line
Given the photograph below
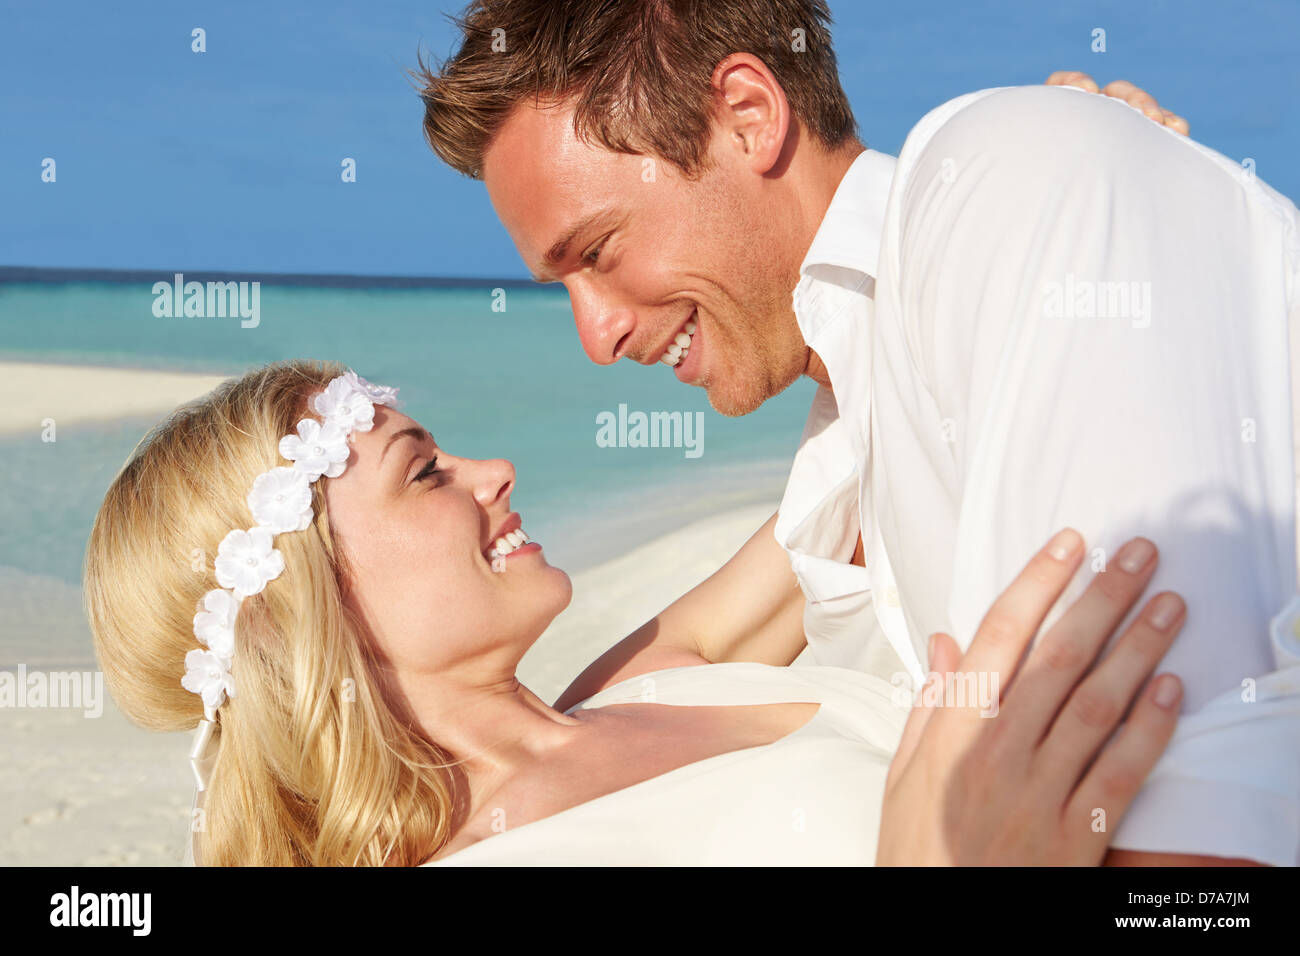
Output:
x=594 y=255
x=429 y=469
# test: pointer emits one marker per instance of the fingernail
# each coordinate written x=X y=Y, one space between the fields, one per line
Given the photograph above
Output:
x=1164 y=610
x=1062 y=546
x=1133 y=557
x=1168 y=690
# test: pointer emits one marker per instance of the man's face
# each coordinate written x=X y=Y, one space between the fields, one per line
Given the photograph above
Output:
x=649 y=251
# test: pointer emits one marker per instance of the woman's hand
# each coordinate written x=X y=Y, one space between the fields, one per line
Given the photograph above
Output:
x=1038 y=783
x=1121 y=90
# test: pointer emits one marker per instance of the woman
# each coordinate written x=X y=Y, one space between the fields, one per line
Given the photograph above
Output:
x=359 y=698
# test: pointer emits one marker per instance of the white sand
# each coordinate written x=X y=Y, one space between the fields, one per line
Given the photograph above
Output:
x=76 y=790
x=70 y=394
x=613 y=599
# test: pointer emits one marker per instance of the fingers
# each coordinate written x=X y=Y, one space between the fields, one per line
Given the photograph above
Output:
x=1135 y=97
x=1114 y=780
x=1126 y=91
x=912 y=731
x=944 y=657
x=1014 y=619
x=1175 y=122
x=1100 y=701
x=1066 y=651
x=1073 y=78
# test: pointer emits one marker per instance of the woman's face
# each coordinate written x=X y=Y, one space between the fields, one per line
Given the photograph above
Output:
x=415 y=534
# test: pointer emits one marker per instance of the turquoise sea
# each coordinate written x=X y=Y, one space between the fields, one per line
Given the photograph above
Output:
x=512 y=384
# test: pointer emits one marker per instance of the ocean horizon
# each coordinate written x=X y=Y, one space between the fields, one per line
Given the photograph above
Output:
x=493 y=368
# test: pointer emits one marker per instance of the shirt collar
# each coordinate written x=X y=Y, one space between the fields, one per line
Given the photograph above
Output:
x=849 y=236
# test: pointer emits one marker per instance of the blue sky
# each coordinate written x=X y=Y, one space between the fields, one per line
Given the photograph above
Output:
x=230 y=159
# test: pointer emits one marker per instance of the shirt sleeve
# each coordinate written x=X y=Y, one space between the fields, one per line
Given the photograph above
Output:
x=1095 y=315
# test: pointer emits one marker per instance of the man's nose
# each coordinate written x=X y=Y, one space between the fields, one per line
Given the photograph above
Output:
x=603 y=328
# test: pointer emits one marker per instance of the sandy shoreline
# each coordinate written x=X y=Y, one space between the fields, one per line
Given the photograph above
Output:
x=81 y=791
x=71 y=394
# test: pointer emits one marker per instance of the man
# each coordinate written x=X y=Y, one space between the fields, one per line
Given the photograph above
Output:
x=1045 y=312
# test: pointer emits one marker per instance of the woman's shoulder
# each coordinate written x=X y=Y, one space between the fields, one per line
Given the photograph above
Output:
x=593 y=681
x=703 y=682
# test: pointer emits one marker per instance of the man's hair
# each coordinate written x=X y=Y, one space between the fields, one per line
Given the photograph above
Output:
x=638 y=72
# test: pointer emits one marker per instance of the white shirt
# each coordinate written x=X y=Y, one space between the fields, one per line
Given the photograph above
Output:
x=981 y=403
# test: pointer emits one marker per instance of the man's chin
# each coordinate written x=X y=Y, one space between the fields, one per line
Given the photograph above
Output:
x=731 y=404
x=736 y=398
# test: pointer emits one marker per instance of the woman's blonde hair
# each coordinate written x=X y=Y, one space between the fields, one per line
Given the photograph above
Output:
x=317 y=764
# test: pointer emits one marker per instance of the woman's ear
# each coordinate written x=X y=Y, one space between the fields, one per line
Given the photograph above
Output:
x=751 y=110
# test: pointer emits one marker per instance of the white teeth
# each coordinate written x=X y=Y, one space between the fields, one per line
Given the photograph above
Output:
x=511 y=541
x=680 y=346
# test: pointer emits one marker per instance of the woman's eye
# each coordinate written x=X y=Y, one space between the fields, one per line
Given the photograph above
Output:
x=429 y=469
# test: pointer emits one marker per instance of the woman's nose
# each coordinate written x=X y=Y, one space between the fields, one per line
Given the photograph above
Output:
x=493 y=481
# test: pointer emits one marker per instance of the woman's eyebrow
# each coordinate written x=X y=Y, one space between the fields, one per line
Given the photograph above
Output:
x=415 y=431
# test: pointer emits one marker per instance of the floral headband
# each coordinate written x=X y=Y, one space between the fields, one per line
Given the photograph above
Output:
x=280 y=501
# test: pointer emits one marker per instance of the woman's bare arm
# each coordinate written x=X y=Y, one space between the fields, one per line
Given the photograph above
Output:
x=751 y=609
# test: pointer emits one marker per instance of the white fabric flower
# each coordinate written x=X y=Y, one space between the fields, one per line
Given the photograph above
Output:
x=246 y=561
x=281 y=499
x=214 y=626
x=377 y=394
x=343 y=405
x=207 y=675
x=317 y=449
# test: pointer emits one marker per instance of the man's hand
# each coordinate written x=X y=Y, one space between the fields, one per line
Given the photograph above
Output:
x=1122 y=90
x=1041 y=781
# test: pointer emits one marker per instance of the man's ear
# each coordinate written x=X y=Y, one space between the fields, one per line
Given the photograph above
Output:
x=751 y=110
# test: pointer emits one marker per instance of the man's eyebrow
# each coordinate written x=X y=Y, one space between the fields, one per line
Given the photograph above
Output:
x=415 y=431
x=560 y=248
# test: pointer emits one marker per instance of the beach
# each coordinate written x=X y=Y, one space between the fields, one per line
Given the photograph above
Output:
x=89 y=370
x=81 y=785
x=81 y=790
x=74 y=394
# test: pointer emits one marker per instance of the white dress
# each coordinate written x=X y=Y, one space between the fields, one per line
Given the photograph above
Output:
x=812 y=798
